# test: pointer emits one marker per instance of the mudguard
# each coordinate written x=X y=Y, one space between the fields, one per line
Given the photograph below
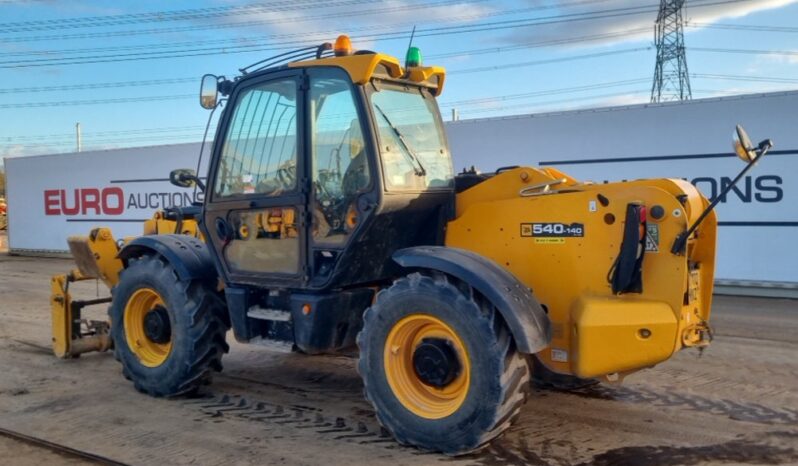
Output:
x=528 y=322
x=188 y=255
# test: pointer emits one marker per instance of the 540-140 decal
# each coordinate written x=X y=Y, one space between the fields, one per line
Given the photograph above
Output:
x=553 y=230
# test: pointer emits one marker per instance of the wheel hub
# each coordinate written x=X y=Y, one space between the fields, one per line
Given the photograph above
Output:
x=435 y=362
x=156 y=325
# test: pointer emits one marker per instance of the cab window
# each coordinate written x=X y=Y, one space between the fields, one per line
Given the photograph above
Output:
x=340 y=165
x=412 y=144
x=259 y=153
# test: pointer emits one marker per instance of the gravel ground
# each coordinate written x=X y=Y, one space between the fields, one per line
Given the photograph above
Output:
x=737 y=403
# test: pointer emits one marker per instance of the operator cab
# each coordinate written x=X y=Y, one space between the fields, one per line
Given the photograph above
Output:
x=322 y=168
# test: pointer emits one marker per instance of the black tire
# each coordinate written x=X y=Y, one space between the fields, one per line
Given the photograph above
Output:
x=499 y=374
x=198 y=321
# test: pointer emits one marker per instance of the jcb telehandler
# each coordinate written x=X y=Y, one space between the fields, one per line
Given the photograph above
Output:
x=332 y=218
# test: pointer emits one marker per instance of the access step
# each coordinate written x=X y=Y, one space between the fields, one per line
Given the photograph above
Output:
x=275 y=315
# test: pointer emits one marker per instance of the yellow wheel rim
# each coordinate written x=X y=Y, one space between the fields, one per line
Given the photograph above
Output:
x=149 y=353
x=418 y=397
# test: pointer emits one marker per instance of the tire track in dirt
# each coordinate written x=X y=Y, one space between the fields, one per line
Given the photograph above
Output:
x=533 y=447
x=769 y=448
x=305 y=420
x=736 y=410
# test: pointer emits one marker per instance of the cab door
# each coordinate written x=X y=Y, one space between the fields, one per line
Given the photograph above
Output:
x=258 y=185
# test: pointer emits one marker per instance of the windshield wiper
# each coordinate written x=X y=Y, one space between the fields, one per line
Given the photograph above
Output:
x=418 y=168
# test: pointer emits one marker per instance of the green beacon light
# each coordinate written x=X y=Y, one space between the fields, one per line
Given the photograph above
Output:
x=413 y=57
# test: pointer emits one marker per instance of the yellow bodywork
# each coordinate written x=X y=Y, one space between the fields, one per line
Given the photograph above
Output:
x=595 y=333
x=160 y=225
x=96 y=258
x=362 y=68
x=73 y=335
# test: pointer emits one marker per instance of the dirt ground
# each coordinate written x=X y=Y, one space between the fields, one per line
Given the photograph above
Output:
x=735 y=404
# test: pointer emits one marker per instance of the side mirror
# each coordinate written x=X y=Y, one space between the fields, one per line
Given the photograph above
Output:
x=209 y=90
x=185 y=178
x=742 y=145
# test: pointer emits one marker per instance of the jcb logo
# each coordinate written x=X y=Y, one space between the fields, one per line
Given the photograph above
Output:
x=82 y=201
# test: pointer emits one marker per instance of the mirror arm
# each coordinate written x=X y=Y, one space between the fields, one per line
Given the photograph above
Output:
x=681 y=239
x=200 y=184
x=225 y=86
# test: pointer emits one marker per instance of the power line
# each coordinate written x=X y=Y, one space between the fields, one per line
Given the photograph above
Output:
x=526 y=95
x=88 y=86
x=745 y=51
x=186 y=96
x=460 y=53
x=122 y=100
x=377 y=37
x=459 y=103
x=558 y=101
x=162 y=16
x=118 y=57
x=548 y=61
x=195 y=136
x=774 y=80
x=742 y=27
x=608 y=13
x=764 y=79
x=318 y=33
x=175 y=15
x=243 y=41
x=456 y=71
x=217 y=12
x=547 y=43
x=70 y=136
x=67 y=141
x=273 y=21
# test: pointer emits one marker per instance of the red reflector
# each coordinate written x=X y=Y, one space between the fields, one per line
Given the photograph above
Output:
x=642 y=214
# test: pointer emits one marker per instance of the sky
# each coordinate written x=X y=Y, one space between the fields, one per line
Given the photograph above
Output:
x=129 y=71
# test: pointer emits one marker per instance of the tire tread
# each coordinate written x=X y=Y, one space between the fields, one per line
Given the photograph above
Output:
x=515 y=374
x=206 y=332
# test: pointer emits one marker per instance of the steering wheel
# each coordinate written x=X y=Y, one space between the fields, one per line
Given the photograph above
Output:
x=286 y=177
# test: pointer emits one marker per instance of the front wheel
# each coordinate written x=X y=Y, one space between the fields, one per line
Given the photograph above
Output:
x=168 y=333
x=440 y=366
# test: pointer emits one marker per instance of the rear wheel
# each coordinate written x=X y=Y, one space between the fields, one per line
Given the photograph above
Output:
x=440 y=366
x=169 y=334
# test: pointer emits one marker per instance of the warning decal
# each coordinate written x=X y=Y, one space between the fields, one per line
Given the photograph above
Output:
x=550 y=240
x=652 y=237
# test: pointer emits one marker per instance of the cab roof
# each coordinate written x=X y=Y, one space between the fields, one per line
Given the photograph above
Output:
x=363 y=66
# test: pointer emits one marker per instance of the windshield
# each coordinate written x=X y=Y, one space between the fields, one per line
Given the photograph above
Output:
x=412 y=145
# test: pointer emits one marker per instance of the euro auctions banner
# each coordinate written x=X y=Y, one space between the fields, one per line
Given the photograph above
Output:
x=51 y=197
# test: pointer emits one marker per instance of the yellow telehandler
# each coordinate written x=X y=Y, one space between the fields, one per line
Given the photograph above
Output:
x=332 y=218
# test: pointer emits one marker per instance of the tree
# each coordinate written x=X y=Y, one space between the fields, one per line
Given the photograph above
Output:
x=2 y=183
